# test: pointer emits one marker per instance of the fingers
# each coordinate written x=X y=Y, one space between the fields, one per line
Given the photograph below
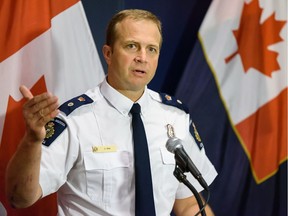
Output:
x=26 y=92
x=39 y=109
x=43 y=107
x=47 y=109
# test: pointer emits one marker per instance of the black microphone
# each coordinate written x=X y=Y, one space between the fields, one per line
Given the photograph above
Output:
x=174 y=145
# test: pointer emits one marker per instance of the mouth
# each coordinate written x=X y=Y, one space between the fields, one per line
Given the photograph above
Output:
x=139 y=71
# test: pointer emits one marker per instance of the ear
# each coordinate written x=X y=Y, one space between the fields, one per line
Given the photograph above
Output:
x=107 y=52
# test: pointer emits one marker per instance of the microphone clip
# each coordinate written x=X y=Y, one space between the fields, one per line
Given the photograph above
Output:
x=179 y=174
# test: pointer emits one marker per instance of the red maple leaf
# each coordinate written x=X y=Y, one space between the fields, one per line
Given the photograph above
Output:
x=13 y=131
x=253 y=39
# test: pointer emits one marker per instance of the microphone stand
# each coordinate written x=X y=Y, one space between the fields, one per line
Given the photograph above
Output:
x=179 y=174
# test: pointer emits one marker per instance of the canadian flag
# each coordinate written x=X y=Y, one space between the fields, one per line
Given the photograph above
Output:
x=47 y=46
x=250 y=69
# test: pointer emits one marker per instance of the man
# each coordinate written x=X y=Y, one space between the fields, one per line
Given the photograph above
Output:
x=86 y=152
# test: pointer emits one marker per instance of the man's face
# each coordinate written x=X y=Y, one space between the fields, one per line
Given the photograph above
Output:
x=133 y=60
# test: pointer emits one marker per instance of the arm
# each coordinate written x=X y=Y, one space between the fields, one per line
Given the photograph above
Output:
x=22 y=174
x=189 y=207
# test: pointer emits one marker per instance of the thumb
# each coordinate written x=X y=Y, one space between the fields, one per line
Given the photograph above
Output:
x=26 y=92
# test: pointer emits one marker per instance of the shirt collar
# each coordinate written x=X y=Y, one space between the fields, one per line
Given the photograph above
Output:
x=121 y=102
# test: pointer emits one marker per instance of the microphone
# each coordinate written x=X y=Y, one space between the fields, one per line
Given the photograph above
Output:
x=174 y=145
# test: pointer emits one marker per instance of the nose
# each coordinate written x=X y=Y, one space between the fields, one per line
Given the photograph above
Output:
x=141 y=56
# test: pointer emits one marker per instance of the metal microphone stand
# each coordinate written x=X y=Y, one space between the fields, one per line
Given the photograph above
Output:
x=179 y=174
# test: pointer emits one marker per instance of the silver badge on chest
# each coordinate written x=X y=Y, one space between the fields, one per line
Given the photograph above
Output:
x=170 y=131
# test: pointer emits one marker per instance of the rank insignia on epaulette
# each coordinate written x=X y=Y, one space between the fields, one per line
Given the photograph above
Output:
x=172 y=101
x=81 y=98
x=168 y=97
x=53 y=129
x=69 y=106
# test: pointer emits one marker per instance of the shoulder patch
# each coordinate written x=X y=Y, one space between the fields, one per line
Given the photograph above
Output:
x=69 y=106
x=53 y=129
x=172 y=101
x=196 y=135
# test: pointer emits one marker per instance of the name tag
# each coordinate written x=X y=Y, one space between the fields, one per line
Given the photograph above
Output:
x=103 y=149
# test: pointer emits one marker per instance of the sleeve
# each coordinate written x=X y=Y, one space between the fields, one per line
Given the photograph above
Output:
x=59 y=152
x=194 y=147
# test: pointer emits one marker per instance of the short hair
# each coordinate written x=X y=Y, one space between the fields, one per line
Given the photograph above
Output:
x=135 y=14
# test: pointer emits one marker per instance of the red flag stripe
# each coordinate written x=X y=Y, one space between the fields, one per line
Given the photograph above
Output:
x=22 y=21
x=266 y=132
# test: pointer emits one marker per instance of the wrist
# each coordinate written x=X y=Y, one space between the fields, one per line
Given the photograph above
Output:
x=31 y=139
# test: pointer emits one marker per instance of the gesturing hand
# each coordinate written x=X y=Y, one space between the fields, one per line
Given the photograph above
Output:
x=37 y=111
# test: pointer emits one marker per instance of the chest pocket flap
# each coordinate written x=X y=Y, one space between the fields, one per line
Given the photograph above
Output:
x=106 y=161
x=167 y=157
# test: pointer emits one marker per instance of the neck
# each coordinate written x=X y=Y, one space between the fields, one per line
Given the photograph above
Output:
x=132 y=95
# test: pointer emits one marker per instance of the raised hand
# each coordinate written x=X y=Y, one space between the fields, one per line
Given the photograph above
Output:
x=37 y=111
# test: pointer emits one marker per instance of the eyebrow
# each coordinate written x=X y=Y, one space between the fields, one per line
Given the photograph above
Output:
x=136 y=42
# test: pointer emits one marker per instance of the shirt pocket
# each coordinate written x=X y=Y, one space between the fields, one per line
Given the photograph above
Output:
x=170 y=185
x=167 y=157
x=107 y=175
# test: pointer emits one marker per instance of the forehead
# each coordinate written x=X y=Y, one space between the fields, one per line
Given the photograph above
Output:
x=140 y=29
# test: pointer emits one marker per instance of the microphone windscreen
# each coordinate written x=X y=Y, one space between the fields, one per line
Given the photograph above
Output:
x=173 y=143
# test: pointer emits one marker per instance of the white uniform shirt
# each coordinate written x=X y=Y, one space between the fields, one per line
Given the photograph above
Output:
x=91 y=163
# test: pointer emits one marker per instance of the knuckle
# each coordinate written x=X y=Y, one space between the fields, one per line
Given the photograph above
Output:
x=36 y=107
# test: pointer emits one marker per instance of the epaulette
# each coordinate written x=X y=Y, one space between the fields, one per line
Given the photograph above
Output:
x=172 y=101
x=69 y=106
x=53 y=129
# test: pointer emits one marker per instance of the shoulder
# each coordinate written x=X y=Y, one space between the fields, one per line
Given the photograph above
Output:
x=168 y=100
x=55 y=127
x=80 y=101
x=75 y=103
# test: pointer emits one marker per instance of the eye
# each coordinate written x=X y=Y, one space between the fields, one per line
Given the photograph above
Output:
x=152 y=49
x=131 y=46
